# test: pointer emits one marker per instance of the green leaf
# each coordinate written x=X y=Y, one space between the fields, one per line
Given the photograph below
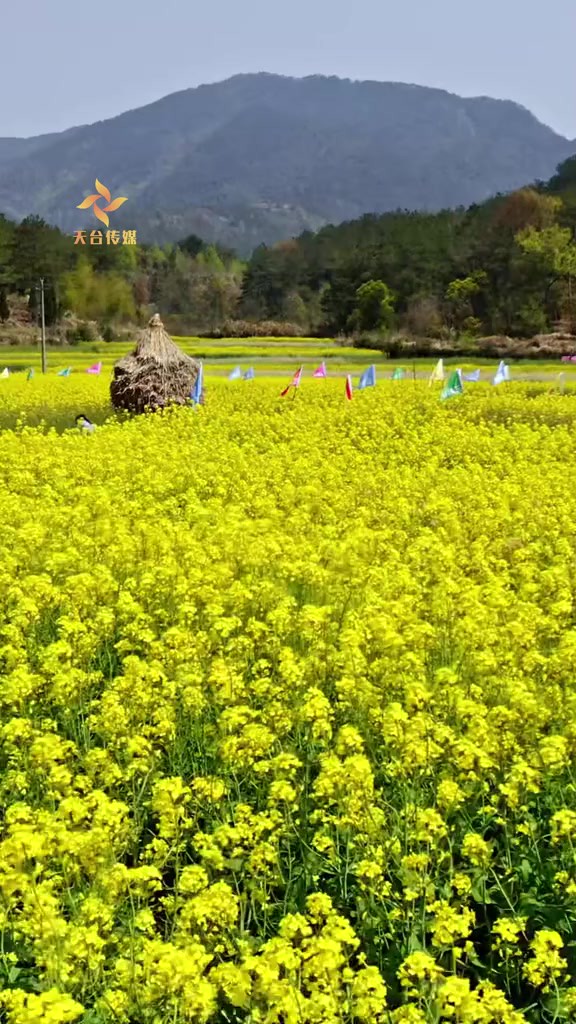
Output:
x=414 y=943
x=481 y=894
x=525 y=869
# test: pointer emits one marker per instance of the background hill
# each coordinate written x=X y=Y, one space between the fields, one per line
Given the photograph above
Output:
x=261 y=157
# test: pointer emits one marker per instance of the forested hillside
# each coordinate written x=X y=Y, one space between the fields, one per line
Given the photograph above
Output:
x=505 y=267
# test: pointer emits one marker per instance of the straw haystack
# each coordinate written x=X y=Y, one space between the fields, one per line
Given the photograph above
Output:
x=156 y=374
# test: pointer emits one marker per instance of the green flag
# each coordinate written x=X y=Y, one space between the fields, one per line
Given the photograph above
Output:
x=453 y=386
x=398 y=373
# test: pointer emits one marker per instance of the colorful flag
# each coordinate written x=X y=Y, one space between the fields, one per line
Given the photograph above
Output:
x=368 y=379
x=249 y=375
x=453 y=387
x=472 y=377
x=398 y=373
x=294 y=383
x=196 y=394
x=502 y=373
x=5 y=372
x=236 y=374
x=321 y=371
x=437 y=373
x=66 y=372
x=95 y=368
x=349 y=387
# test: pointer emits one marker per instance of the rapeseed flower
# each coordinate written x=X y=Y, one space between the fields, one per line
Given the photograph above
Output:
x=287 y=727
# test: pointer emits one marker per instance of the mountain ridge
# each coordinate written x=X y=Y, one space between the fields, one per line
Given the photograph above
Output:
x=259 y=157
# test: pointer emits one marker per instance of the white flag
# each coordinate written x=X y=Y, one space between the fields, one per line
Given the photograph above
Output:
x=502 y=373
x=5 y=372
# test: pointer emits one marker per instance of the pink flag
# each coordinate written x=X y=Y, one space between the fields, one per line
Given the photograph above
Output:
x=321 y=371
x=95 y=368
x=349 y=387
x=294 y=383
x=565 y=359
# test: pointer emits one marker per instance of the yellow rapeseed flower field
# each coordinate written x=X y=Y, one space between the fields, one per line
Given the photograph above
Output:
x=288 y=707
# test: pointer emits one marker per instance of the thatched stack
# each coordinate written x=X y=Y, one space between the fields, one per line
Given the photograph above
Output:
x=156 y=374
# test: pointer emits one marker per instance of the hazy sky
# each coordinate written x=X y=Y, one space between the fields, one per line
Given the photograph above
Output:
x=65 y=63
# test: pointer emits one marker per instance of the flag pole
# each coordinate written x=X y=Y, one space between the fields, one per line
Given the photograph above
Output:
x=43 y=322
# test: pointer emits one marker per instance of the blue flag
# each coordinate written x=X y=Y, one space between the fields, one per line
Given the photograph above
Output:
x=66 y=372
x=236 y=374
x=368 y=378
x=249 y=375
x=473 y=377
x=196 y=394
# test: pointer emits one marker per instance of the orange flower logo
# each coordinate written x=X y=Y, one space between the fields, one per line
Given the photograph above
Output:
x=101 y=193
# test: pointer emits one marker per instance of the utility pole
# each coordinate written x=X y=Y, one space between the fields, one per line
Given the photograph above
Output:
x=43 y=320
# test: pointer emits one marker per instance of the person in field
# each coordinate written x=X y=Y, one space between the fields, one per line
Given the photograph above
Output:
x=84 y=424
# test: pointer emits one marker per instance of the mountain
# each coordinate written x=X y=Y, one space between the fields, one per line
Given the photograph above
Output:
x=262 y=157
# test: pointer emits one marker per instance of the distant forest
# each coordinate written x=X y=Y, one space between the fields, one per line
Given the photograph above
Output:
x=505 y=267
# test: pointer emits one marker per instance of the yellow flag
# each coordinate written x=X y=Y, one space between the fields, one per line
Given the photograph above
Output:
x=437 y=373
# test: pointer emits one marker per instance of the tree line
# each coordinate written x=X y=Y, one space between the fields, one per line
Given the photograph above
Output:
x=103 y=287
x=503 y=267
